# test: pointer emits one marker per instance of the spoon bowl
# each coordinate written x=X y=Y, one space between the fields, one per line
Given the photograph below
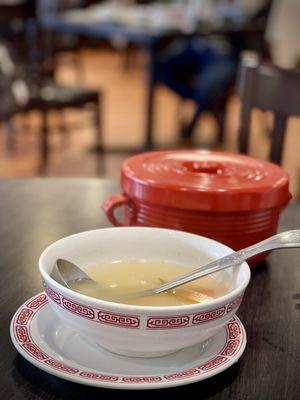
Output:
x=65 y=271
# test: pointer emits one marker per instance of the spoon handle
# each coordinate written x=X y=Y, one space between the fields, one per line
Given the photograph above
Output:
x=286 y=239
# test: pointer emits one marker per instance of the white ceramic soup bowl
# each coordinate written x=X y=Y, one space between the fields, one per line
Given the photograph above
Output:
x=141 y=331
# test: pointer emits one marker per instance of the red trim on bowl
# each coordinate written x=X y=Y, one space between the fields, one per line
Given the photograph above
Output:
x=126 y=321
x=134 y=322
x=78 y=309
x=93 y=314
x=176 y=321
x=23 y=338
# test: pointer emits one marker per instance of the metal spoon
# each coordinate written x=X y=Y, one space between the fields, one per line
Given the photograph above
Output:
x=64 y=271
x=286 y=239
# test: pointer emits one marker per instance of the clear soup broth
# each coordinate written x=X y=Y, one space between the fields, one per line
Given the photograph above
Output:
x=124 y=277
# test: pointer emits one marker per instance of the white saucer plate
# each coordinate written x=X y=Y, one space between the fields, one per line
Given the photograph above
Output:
x=41 y=338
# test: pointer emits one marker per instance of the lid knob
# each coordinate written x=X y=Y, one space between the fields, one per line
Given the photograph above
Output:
x=206 y=167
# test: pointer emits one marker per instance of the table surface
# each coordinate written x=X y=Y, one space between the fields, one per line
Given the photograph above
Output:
x=88 y=21
x=36 y=212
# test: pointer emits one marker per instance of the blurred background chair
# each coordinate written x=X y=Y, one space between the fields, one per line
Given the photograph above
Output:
x=56 y=47
x=271 y=88
x=25 y=88
x=203 y=69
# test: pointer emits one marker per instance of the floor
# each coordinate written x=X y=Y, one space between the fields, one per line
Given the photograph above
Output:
x=124 y=98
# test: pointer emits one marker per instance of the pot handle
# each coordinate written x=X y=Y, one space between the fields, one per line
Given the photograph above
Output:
x=114 y=202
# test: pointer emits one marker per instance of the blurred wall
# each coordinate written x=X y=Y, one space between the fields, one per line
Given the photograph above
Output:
x=283 y=32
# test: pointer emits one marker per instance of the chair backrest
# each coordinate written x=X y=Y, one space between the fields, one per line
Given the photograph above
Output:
x=267 y=87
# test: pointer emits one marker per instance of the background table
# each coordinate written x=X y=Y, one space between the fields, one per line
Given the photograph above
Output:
x=151 y=40
x=34 y=213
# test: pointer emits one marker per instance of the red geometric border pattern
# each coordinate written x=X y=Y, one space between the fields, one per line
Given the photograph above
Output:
x=208 y=316
x=213 y=363
x=34 y=351
x=78 y=309
x=100 y=316
x=182 y=321
x=143 y=379
x=122 y=320
x=24 y=339
x=183 y=375
x=52 y=294
x=22 y=333
x=230 y=348
x=133 y=321
x=234 y=329
x=61 y=366
x=234 y=304
x=98 y=377
x=168 y=322
x=24 y=316
x=37 y=302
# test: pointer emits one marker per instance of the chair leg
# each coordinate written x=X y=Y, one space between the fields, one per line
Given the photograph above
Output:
x=63 y=127
x=9 y=135
x=98 y=125
x=278 y=134
x=220 y=118
x=78 y=68
x=44 y=140
x=243 y=141
x=180 y=116
x=188 y=129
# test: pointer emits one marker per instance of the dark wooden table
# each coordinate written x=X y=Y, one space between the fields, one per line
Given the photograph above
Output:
x=36 y=212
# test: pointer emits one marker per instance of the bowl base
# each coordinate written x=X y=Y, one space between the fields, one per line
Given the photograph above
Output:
x=138 y=354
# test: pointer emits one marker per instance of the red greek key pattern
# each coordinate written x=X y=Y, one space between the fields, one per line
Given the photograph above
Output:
x=24 y=340
x=37 y=302
x=35 y=351
x=133 y=321
x=183 y=375
x=167 y=322
x=78 y=309
x=52 y=294
x=98 y=377
x=57 y=365
x=234 y=304
x=22 y=333
x=144 y=379
x=24 y=316
x=125 y=321
x=183 y=321
x=233 y=330
x=213 y=363
x=231 y=347
x=208 y=316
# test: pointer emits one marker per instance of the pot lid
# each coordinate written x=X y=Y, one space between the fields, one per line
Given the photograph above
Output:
x=204 y=180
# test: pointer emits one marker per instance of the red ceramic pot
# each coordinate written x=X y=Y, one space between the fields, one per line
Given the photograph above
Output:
x=231 y=198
